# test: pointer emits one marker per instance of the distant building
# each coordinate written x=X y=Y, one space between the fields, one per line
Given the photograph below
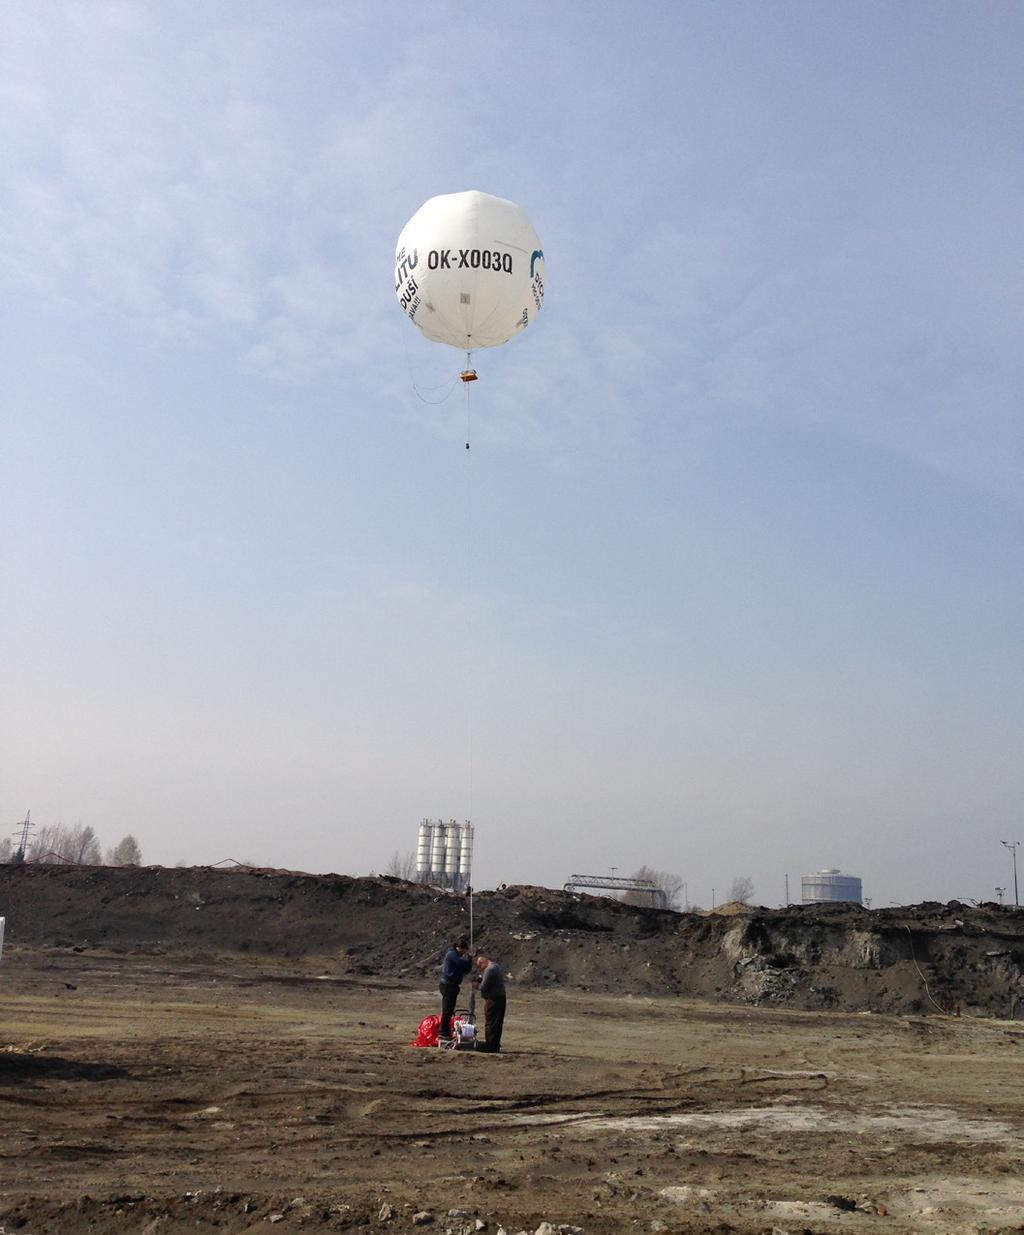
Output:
x=830 y=885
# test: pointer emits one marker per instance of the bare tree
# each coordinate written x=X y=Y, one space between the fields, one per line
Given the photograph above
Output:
x=47 y=844
x=85 y=846
x=55 y=843
x=742 y=889
x=125 y=853
x=402 y=865
x=670 y=885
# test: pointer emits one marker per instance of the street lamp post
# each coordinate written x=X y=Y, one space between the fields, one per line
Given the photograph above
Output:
x=1012 y=846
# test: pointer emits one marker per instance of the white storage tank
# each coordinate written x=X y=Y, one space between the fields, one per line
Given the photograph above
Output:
x=438 y=852
x=466 y=854
x=423 y=851
x=830 y=886
x=453 y=845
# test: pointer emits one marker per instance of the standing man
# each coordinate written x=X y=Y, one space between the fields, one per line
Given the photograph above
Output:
x=456 y=964
x=492 y=992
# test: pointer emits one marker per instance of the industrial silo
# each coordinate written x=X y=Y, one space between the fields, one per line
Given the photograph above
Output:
x=438 y=853
x=453 y=848
x=466 y=856
x=829 y=886
x=423 y=848
x=444 y=854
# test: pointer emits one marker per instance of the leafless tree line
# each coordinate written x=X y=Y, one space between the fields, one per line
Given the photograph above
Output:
x=75 y=845
x=669 y=885
x=402 y=865
x=742 y=889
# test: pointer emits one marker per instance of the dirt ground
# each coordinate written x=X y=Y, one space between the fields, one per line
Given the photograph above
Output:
x=151 y=1096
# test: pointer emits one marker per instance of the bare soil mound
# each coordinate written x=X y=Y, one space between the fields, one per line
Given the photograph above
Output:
x=922 y=958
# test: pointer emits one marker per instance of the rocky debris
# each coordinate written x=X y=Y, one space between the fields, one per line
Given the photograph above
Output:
x=546 y=1228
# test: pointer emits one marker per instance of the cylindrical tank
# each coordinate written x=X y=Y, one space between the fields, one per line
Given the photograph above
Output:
x=437 y=852
x=829 y=885
x=423 y=852
x=451 y=855
x=466 y=854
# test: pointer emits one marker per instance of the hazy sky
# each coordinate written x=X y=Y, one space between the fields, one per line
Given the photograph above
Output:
x=736 y=583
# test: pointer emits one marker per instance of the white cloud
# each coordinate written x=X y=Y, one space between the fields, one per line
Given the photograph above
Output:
x=194 y=212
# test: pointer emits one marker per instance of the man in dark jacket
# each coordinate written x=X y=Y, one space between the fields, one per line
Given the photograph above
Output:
x=456 y=964
x=492 y=992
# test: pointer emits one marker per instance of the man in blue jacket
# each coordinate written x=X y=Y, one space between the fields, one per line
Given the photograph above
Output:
x=456 y=964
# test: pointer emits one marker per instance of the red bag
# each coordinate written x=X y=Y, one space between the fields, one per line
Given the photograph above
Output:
x=427 y=1035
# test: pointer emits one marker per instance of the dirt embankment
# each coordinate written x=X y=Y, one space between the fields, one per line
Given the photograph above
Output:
x=926 y=957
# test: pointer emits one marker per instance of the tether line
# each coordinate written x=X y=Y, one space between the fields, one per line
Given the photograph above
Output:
x=470 y=605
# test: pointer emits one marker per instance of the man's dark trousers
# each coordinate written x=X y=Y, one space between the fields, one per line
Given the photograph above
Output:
x=449 y=997
x=494 y=1019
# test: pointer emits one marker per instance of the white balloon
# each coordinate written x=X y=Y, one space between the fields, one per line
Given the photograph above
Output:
x=469 y=270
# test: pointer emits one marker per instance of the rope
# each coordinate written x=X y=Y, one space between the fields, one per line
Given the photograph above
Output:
x=436 y=402
x=447 y=386
x=470 y=625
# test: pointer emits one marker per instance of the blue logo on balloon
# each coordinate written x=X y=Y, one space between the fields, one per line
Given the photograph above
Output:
x=533 y=259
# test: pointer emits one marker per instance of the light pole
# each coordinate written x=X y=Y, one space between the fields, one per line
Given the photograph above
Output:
x=1012 y=846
